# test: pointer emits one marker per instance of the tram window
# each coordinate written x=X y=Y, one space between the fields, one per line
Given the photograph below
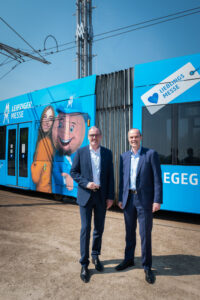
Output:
x=11 y=151
x=157 y=132
x=23 y=153
x=189 y=133
x=174 y=132
x=2 y=142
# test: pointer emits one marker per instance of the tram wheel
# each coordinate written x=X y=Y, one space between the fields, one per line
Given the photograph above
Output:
x=57 y=197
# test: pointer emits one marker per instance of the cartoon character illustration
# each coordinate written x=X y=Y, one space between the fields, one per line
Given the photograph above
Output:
x=42 y=161
x=68 y=134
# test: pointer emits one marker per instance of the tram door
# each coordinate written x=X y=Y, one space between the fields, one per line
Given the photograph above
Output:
x=18 y=155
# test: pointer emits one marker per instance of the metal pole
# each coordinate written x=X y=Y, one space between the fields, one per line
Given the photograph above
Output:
x=84 y=37
x=77 y=37
x=85 y=52
x=82 y=40
x=90 y=37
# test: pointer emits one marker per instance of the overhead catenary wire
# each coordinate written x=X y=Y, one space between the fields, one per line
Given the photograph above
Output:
x=163 y=19
x=21 y=37
x=148 y=21
x=124 y=32
x=122 y=28
x=4 y=61
x=125 y=27
x=13 y=67
x=134 y=25
x=145 y=26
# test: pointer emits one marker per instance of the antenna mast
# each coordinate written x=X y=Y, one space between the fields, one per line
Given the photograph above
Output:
x=84 y=37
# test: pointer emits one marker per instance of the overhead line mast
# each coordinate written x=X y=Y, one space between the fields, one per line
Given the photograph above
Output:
x=84 y=37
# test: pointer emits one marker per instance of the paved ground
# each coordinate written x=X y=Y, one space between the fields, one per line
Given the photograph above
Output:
x=39 y=253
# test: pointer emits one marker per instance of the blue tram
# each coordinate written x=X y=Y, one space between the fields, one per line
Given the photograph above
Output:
x=41 y=131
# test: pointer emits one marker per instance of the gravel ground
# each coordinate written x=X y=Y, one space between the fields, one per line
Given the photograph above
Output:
x=39 y=250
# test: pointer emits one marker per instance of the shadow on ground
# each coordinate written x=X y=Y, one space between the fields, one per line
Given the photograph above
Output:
x=164 y=265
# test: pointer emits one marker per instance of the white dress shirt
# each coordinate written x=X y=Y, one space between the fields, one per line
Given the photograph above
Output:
x=96 y=162
x=133 y=169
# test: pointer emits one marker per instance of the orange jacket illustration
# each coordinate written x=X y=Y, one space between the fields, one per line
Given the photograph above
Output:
x=42 y=165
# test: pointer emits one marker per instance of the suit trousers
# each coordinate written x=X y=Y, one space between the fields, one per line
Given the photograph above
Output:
x=96 y=205
x=133 y=211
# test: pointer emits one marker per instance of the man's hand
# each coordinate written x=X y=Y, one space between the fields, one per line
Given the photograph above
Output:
x=92 y=186
x=68 y=181
x=120 y=204
x=109 y=203
x=155 y=207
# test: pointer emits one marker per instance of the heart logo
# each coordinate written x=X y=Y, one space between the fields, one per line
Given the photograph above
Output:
x=153 y=98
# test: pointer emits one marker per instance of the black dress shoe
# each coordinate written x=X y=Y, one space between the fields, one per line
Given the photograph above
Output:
x=85 y=275
x=98 y=264
x=149 y=276
x=124 y=264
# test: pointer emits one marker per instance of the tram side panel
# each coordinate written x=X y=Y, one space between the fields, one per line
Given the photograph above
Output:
x=50 y=125
x=60 y=130
x=16 y=142
x=166 y=107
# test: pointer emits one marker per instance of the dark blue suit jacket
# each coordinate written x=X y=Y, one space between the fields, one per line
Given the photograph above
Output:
x=81 y=172
x=148 y=178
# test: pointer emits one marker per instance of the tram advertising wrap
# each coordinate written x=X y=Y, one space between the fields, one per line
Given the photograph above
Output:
x=166 y=107
x=40 y=133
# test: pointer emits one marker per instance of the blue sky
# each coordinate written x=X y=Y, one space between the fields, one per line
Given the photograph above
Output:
x=34 y=20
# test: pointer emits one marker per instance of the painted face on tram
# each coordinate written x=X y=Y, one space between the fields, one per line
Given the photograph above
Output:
x=47 y=120
x=68 y=132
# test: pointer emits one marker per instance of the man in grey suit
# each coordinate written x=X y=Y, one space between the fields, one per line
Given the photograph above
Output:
x=140 y=194
x=92 y=169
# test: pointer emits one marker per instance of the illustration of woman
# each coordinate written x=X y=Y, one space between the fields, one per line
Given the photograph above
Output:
x=42 y=161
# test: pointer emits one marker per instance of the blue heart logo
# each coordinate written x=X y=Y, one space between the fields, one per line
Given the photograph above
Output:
x=153 y=98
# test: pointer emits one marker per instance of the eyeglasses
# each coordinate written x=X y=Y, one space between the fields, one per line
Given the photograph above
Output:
x=94 y=135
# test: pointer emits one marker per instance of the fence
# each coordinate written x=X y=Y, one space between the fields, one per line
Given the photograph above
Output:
x=114 y=113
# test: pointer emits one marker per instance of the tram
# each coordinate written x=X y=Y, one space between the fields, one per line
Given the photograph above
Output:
x=41 y=131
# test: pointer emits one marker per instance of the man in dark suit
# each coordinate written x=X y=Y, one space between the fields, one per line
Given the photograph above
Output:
x=92 y=169
x=140 y=194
